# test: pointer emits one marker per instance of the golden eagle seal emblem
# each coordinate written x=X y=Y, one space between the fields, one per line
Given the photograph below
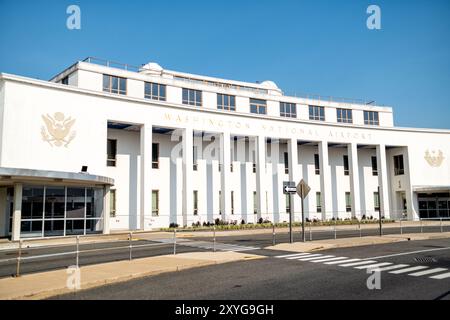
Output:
x=57 y=130
x=434 y=158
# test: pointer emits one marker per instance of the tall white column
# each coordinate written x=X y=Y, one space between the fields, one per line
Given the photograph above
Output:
x=294 y=172
x=225 y=201
x=188 y=204
x=3 y=213
x=261 y=174
x=325 y=181
x=17 y=212
x=352 y=151
x=146 y=179
x=106 y=209
x=383 y=180
x=411 y=200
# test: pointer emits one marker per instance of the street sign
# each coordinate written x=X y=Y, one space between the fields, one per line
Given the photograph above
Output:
x=303 y=189
x=289 y=187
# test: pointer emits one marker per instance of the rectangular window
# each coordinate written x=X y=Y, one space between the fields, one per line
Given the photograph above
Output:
x=286 y=163
x=255 y=202
x=112 y=153
x=288 y=110
x=371 y=118
x=112 y=84
x=317 y=164
x=65 y=80
x=348 y=202
x=192 y=97
x=316 y=113
x=155 y=203
x=195 y=202
x=112 y=203
x=288 y=205
x=318 y=202
x=258 y=106
x=155 y=91
x=346 y=169
x=155 y=155
x=194 y=158
x=374 y=166
x=398 y=165
x=232 y=202
x=376 y=201
x=344 y=115
x=226 y=102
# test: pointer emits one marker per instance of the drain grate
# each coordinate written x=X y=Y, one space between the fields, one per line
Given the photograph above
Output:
x=424 y=259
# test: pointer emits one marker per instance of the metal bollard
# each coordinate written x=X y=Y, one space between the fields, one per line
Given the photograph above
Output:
x=19 y=257
x=441 y=225
x=421 y=227
x=310 y=232
x=174 y=241
x=130 y=245
x=335 y=235
x=360 y=231
x=78 y=252
x=273 y=234
x=401 y=227
x=214 y=236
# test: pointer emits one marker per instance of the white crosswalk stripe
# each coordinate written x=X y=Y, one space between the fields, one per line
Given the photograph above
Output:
x=374 y=266
x=329 y=259
x=408 y=270
x=426 y=272
x=343 y=261
x=395 y=266
x=441 y=276
x=303 y=256
x=314 y=258
x=357 y=263
x=293 y=255
x=311 y=257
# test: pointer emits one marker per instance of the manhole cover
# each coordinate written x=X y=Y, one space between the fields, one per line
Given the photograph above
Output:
x=425 y=259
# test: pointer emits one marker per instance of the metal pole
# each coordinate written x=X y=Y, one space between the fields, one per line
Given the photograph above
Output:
x=78 y=251
x=421 y=226
x=174 y=241
x=19 y=257
x=401 y=227
x=359 y=226
x=310 y=232
x=303 y=222
x=379 y=214
x=441 y=225
x=273 y=234
x=214 y=243
x=291 y=236
x=130 y=245
x=335 y=222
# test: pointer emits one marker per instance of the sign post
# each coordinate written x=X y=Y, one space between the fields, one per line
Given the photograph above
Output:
x=290 y=189
x=302 y=190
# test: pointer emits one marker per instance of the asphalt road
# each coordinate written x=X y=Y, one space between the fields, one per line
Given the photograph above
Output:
x=118 y=250
x=280 y=278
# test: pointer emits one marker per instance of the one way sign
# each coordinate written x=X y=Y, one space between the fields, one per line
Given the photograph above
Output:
x=289 y=187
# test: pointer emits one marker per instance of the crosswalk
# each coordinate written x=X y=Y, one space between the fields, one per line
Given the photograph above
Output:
x=209 y=245
x=362 y=264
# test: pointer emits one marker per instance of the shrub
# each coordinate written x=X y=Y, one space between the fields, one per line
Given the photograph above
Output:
x=173 y=225
x=243 y=221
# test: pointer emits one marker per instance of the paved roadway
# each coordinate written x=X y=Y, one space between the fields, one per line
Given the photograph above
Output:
x=331 y=275
x=163 y=247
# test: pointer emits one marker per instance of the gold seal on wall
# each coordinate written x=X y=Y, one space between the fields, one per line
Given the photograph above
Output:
x=57 y=130
x=434 y=158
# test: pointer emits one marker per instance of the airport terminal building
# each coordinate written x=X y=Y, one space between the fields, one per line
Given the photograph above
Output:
x=104 y=146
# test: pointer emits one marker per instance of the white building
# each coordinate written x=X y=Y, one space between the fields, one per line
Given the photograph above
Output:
x=167 y=147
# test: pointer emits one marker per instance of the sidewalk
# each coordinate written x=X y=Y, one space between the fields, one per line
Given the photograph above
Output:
x=46 y=284
x=354 y=242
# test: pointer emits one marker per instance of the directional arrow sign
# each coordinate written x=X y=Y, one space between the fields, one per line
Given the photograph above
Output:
x=303 y=189
x=289 y=187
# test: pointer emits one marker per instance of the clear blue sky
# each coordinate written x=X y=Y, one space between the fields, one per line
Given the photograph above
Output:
x=316 y=46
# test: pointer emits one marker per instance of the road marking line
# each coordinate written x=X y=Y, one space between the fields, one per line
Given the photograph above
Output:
x=374 y=266
x=292 y=255
x=407 y=253
x=307 y=255
x=336 y=262
x=313 y=258
x=310 y=256
x=408 y=270
x=330 y=259
x=441 y=276
x=395 y=266
x=357 y=263
x=422 y=273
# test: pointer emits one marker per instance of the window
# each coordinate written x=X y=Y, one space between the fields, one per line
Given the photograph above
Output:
x=232 y=202
x=113 y=84
x=194 y=158
x=376 y=201
x=155 y=203
x=155 y=91
x=195 y=202
x=226 y=102
x=258 y=106
x=371 y=118
x=398 y=165
x=192 y=97
x=155 y=155
x=344 y=115
x=112 y=203
x=254 y=161
x=288 y=204
x=348 y=202
x=318 y=202
x=317 y=164
x=65 y=80
x=286 y=163
x=112 y=153
x=255 y=203
x=346 y=170
x=288 y=110
x=316 y=113
x=374 y=166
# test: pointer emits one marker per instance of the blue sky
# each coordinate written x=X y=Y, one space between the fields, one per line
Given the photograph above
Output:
x=320 y=47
